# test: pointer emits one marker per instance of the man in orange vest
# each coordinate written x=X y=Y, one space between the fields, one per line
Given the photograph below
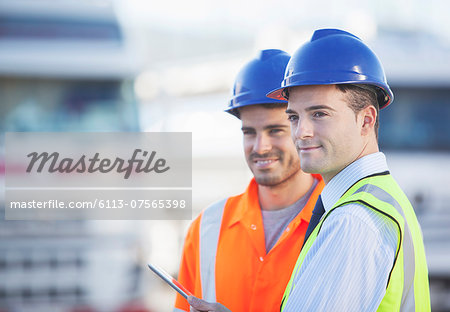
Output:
x=241 y=251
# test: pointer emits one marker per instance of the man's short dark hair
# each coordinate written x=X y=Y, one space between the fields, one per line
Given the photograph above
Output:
x=359 y=97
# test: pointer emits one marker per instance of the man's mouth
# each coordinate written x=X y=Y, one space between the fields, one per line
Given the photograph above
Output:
x=264 y=163
x=305 y=149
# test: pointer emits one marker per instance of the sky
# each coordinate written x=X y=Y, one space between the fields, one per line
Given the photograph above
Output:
x=244 y=17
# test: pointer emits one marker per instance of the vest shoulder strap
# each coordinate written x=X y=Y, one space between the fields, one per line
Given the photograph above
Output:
x=210 y=225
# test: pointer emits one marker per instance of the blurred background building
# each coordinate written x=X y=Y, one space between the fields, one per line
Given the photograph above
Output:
x=136 y=65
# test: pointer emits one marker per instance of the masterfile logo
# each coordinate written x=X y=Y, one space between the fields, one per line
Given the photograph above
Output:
x=98 y=176
x=95 y=163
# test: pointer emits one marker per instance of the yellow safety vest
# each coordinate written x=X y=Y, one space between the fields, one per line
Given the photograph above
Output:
x=407 y=288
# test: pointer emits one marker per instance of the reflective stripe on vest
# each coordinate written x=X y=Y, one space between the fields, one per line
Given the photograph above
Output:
x=407 y=303
x=407 y=288
x=209 y=238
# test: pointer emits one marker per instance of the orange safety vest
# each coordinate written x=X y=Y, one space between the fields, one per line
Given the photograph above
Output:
x=224 y=256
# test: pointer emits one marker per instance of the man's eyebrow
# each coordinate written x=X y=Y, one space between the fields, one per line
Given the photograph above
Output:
x=316 y=107
x=290 y=111
x=276 y=126
x=310 y=108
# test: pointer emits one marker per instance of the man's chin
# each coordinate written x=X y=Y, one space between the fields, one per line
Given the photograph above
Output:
x=267 y=181
x=309 y=168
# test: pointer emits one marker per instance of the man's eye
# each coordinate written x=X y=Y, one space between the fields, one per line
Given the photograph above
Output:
x=319 y=114
x=275 y=131
x=292 y=118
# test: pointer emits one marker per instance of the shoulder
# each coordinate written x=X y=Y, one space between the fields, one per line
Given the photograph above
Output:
x=355 y=213
x=216 y=206
x=208 y=220
x=211 y=214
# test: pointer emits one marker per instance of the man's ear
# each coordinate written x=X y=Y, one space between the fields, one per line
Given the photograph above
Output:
x=369 y=118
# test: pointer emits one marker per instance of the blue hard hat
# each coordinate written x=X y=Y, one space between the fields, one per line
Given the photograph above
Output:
x=257 y=78
x=335 y=56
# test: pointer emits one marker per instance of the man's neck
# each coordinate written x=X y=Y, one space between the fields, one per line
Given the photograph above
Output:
x=285 y=194
x=369 y=148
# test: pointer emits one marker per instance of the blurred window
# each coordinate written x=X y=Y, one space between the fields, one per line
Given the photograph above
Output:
x=418 y=119
x=67 y=105
x=27 y=27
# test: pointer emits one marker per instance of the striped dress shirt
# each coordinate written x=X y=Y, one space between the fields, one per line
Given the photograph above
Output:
x=347 y=267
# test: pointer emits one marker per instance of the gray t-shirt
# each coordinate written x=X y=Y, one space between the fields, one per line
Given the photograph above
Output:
x=276 y=221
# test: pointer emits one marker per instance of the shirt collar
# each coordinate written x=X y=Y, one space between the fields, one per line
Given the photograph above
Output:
x=361 y=168
x=247 y=208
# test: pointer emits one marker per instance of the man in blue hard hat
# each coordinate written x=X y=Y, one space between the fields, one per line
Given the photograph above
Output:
x=241 y=251
x=364 y=249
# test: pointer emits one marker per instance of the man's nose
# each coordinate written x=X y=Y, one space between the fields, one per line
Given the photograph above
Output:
x=303 y=129
x=262 y=144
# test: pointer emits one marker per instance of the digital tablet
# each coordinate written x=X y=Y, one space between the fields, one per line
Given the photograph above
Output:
x=170 y=280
